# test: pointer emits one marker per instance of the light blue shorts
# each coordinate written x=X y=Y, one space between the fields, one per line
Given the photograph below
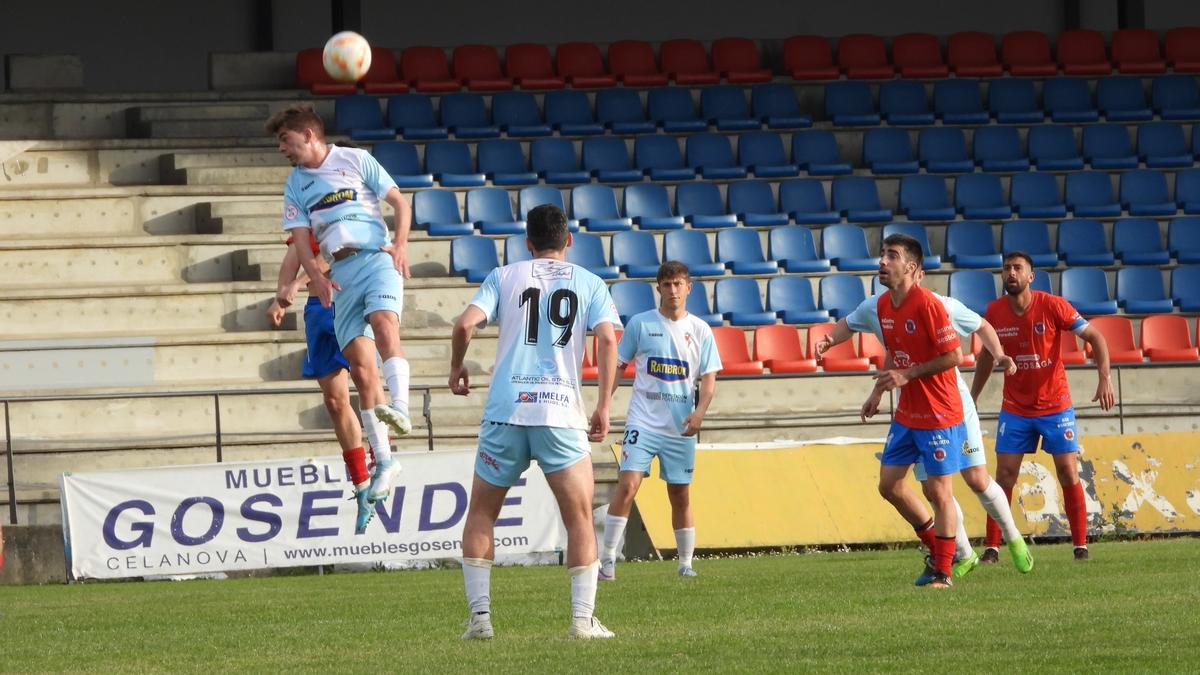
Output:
x=370 y=283
x=1017 y=434
x=676 y=455
x=972 y=452
x=940 y=450
x=505 y=450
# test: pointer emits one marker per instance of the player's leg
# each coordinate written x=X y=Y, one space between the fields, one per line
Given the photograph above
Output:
x=676 y=467
x=965 y=558
x=360 y=352
x=619 y=508
x=899 y=453
x=939 y=451
x=1059 y=438
x=995 y=502
x=335 y=389
x=384 y=303
x=1015 y=436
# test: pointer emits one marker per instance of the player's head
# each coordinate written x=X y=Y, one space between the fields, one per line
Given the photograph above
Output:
x=299 y=130
x=900 y=257
x=546 y=230
x=674 y=285
x=1017 y=273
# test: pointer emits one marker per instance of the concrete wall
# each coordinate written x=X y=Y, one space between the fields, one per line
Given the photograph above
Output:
x=1164 y=14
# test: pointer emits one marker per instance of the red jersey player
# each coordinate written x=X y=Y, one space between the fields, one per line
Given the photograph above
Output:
x=1037 y=401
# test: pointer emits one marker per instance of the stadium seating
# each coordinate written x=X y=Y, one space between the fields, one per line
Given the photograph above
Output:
x=973 y=54
x=1107 y=146
x=359 y=117
x=1175 y=97
x=791 y=298
x=793 y=248
x=1185 y=287
x=382 y=77
x=1166 y=338
x=1140 y=290
x=649 y=207
x=581 y=64
x=1069 y=350
x=635 y=254
x=780 y=350
x=690 y=247
x=735 y=357
x=632 y=63
x=1121 y=98
x=620 y=111
x=840 y=294
x=1041 y=281
x=1067 y=99
x=1082 y=52
x=659 y=158
x=595 y=207
x=554 y=161
x=736 y=59
x=970 y=244
x=503 y=162
x=1118 y=333
x=724 y=107
x=753 y=203
x=1035 y=195
x=846 y=248
x=515 y=249
x=857 y=199
x=473 y=257
x=871 y=349
x=1135 y=51
x=1144 y=193
x=532 y=197
x=999 y=149
x=685 y=62
x=973 y=288
x=809 y=57
x=816 y=152
x=607 y=159
x=587 y=250
x=1086 y=288
x=427 y=70
x=466 y=116
x=776 y=106
x=478 y=66
x=1083 y=243
x=311 y=75
x=1136 y=241
x=672 y=109
x=838 y=358
x=711 y=156
x=1027 y=54
x=903 y=102
x=803 y=200
x=1014 y=101
x=924 y=198
x=632 y=297
x=699 y=307
x=412 y=116
x=888 y=151
x=570 y=113
x=437 y=212
x=401 y=162
x=530 y=66
x=762 y=153
x=1089 y=194
x=980 y=195
x=1030 y=236
x=1182 y=49
x=450 y=163
x=959 y=102
x=863 y=56
x=490 y=209
x=1187 y=190
x=1162 y=145
x=738 y=302
x=1183 y=239
x=916 y=231
x=701 y=205
x=850 y=104
x=1052 y=148
x=918 y=55
x=741 y=251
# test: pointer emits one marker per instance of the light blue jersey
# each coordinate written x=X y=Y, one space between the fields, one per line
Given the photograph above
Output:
x=545 y=308
x=669 y=357
x=339 y=200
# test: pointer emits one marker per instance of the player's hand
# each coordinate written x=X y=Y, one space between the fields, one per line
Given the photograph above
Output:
x=324 y=287
x=275 y=313
x=892 y=379
x=692 y=424
x=460 y=381
x=399 y=259
x=1007 y=364
x=1104 y=393
x=598 y=428
x=823 y=345
x=869 y=408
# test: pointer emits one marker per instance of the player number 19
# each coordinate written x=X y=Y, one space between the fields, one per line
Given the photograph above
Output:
x=564 y=306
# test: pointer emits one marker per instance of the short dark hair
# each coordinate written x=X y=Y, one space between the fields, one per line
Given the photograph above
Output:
x=546 y=228
x=1019 y=254
x=296 y=117
x=912 y=248
x=672 y=269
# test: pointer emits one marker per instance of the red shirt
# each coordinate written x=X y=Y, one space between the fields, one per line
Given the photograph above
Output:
x=917 y=331
x=1034 y=341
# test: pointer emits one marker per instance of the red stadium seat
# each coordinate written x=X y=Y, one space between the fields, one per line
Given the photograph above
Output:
x=478 y=66
x=530 y=66
x=1183 y=49
x=426 y=69
x=1070 y=353
x=685 y=62
x=973 y=54
x=871 y=349
x=809 y=57
x=632 y=63
x=382 y=77
x=1082 y=52
x=864 y=57
x=1026 y=53
x=736 y=59
x=1118 y=333
x=1135 y=51
x=591 y=371
x=735 y=357
x=582 y=65
x=918 y=55
x=1165 y=338
x=311 y=75
x=780 y=350
x=840 y=357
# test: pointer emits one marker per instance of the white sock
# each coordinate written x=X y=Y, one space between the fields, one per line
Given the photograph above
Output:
x=962 y=544
x=395 y=373
x=583 y=589
x=685 y=544
x=376 y=435
x=997 y=506
x=614 y=530
x=477 y=578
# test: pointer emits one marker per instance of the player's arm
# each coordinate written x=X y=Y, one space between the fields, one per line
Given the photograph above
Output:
x=993 y=349
x=840 y=333
x=871 y=405
x=1104 y=388
x=464 y=330
x=286 y=286
x=984 y=363
x=708 y=388
x=323 y=286
x=403 y=218
x=937 y=323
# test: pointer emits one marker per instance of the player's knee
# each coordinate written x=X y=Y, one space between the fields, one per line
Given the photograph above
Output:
x=888 y=490
x=679 y=496
x=977 y=478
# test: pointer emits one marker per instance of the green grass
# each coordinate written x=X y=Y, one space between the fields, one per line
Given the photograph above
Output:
x=1132 y=607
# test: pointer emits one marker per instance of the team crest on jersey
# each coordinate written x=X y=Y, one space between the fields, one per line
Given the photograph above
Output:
x=939 y=454
x=910 y=326
x=290 y=212
x=667 y=370
x=1069 y=434
x=1039 y=328
x=687 y=339
x=335 y=198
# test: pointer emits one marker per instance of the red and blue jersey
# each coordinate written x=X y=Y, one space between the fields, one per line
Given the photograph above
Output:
x=1034 y=340
x=917 y=331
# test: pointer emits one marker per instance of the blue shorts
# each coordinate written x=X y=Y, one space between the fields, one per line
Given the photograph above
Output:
x=323 y=356
x=939 y=450
x=1017 y=434
x=370 y=283
x=676 y=455
x=972 y=453
x=505 y=450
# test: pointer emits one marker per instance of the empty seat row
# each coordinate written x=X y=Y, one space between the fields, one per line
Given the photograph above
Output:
x=1139 y=290
x=1136 y=241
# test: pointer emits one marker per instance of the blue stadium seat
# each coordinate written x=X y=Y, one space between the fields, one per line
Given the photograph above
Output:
x=587 y=251
x=1187 y=190
x=412 y=116
x=672 y=109
x=841 y=294
x=1107 y=146
x=980 y=195
x=491 y=211
x=632 y=297
x=777 y=107
x=762 y=153
x=754 y=204
x=650 y=207
x=699 y=307
x=1121 y=98
x=924 y=198
x=739 y=302
x=690 y=247
x=635 y=254
x=1035 y=195
x=595 y=207
x=903 y=102
x=741 y=251
x=517 y=114
x=1067 y=99
x=724 y=106
x=1140 y=290
x=1052 y=148
x=437 y=211
x=1086 y=288
x=817 y=153
x=792 y=247
x=659 y=158
x=916 y=231
x=944 y=150
x=1144 y=193
x=401 y=162
x=971 y=244
x=999 y=149
x=554 y=160
x=1013 y=101
x=466 y=116
x=359 y=116
x=607 y=159
x=1041 y=281
x=846 y=248
x=701 y=205
x=1030 y=236
x=850 y=104
x=857 y=199
x=532 y=197
x=711 y=156
x=1089 y=194
x=973 y=288
x=1183 y=239
x=1137 y=241
x=791 y=298
x=450 y=163
x=503 y=162
x=1185 y=288
x=1082 y=243
x=473 y=257
x=1162 y=145
x=888 y=151
x=959 y=102
x=620 y=110
x=1176 y=97
x=515 y=249
x=569 y=112
x=803 y=199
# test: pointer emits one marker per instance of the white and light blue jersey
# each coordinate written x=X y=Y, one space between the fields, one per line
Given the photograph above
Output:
x=669 y=357
x=339 y=200
x=545 y=308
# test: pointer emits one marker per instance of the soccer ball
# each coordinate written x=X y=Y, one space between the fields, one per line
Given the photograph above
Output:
x=347 y=56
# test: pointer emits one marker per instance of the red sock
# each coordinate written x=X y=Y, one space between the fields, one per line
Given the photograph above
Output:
x=926 y=535
x=1076 y=507
x=992 y=536
x=943 y=554
x=356 y=462
x=371 y=459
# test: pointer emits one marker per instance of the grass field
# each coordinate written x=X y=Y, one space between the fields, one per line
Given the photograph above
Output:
x=1134 y=606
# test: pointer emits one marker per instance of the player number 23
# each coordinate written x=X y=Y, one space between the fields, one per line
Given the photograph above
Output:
x=562 y=309
x=630 y=437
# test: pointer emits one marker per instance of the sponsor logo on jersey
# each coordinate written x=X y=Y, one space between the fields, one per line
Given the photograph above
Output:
x=653 y=334
x=1039 y=328
x=489 y=460
x=334 y=199
x=307 y=185
x=666 y=396
x=1007 y=331
x=910 y=326
x=887 y=323
x=527 y=397
x=901 y=359
x=551 y=397
x=552 y=269
x=667 y=370
x=968 y=450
